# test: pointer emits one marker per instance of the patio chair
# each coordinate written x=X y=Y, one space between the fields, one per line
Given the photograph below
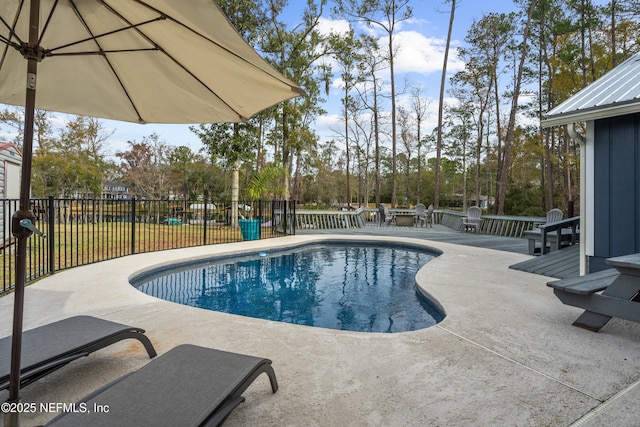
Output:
x=429 y=216
x=423 y=215
x=419 y=216
x=187 y=386
x=386 y=217
x=541 y=234
x=473 y=220
x=52 y=346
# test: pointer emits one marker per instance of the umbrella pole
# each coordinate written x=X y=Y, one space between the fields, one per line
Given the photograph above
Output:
x=21 y=233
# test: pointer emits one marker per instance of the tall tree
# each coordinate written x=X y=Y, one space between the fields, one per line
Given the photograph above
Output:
x=294 y=53
x=441 y=104
x=230 y=144
x=144 y=167
x=419 y=106
x=408 y=139
x=514 y=109
x=13 y=119
x=488 y=48
x=368 y=93
x=473 y=88
x=347 y=51
x=249 y=19
x=385 y=15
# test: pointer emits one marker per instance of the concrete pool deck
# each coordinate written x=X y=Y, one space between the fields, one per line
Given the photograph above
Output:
x=505 y=355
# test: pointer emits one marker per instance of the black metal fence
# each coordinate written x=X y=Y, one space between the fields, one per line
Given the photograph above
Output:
x=84 y=231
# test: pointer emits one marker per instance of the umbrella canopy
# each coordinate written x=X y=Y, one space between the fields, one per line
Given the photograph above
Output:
x=152 y=61
x=145 y=61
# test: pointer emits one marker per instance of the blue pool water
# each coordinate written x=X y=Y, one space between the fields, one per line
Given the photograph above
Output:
x=338 y=286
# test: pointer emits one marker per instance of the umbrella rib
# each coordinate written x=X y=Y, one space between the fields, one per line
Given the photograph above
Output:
x=12 y=28
x=12 y=34
x=95 y=38
x=175 y=61
x=279 y=77
x=102 y=53
x=46 y=24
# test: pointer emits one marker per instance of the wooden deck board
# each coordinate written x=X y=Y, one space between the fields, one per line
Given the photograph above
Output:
x=561 y=264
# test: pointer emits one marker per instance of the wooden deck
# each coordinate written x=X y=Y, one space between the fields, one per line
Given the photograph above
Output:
x=562 y=264
x=559 y=264
x=438 y=233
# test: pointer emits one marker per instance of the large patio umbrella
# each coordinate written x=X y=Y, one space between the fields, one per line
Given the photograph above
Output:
x=145 y=61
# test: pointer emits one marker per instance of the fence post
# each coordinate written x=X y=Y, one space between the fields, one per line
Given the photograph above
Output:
x=133 y=225
x=51 y=217
x=204 y=223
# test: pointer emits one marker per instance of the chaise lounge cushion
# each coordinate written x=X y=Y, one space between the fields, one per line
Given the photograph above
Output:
x=187 y=386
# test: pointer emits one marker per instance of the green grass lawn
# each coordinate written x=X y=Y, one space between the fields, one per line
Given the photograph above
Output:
x=78 y=244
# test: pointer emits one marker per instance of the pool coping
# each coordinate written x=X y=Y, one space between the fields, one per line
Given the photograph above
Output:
x=505 y=354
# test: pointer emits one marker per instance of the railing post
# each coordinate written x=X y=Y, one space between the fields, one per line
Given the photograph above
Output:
x=204 y=224
x=51 y=219
x=285 y=218
x=133 y=225
x=261 y=218
x=292 y=213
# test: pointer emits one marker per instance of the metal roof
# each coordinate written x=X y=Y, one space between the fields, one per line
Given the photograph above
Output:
x=615 y=94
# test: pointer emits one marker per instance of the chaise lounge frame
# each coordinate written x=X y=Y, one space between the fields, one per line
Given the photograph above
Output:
x=48 y=348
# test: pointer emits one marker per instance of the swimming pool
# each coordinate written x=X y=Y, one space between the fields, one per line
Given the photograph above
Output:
x=368 y=287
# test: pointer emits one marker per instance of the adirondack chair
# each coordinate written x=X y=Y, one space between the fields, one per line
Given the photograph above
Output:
x=473 y=220
x=554 y=215
x=424 y=215
x=386 y=217
x=420 y=218
x=554 y=236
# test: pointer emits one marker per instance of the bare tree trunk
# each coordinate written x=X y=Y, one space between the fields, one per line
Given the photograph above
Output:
x=441 y=105
x=376 y=135
x=504 y=177
x=613 y=34
x=499 y=154
x=346 y=140
x=394 y=160
x=235 y=193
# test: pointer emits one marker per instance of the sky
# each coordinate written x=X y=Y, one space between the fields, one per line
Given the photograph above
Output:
x=420 y=55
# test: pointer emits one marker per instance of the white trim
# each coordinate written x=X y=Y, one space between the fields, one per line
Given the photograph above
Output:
x=581 y=116
x=589 y=201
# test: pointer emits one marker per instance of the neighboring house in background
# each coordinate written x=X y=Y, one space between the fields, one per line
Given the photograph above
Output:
x=115 y=190
x=484 y=201
x=10 y=169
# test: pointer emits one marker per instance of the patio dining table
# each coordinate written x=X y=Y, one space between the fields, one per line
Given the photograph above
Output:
x=404 y=219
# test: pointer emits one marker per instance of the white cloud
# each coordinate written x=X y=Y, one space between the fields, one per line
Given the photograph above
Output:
x=419 y=54
x=328 y=26
x=326 y=125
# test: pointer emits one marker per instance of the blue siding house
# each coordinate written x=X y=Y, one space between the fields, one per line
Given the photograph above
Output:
x=610 y=163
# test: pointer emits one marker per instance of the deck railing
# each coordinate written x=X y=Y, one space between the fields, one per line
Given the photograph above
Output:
x=499 y=225
x=325 y=219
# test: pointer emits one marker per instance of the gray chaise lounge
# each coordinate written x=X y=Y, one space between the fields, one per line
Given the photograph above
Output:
x=187 y=386
x=52 y=346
